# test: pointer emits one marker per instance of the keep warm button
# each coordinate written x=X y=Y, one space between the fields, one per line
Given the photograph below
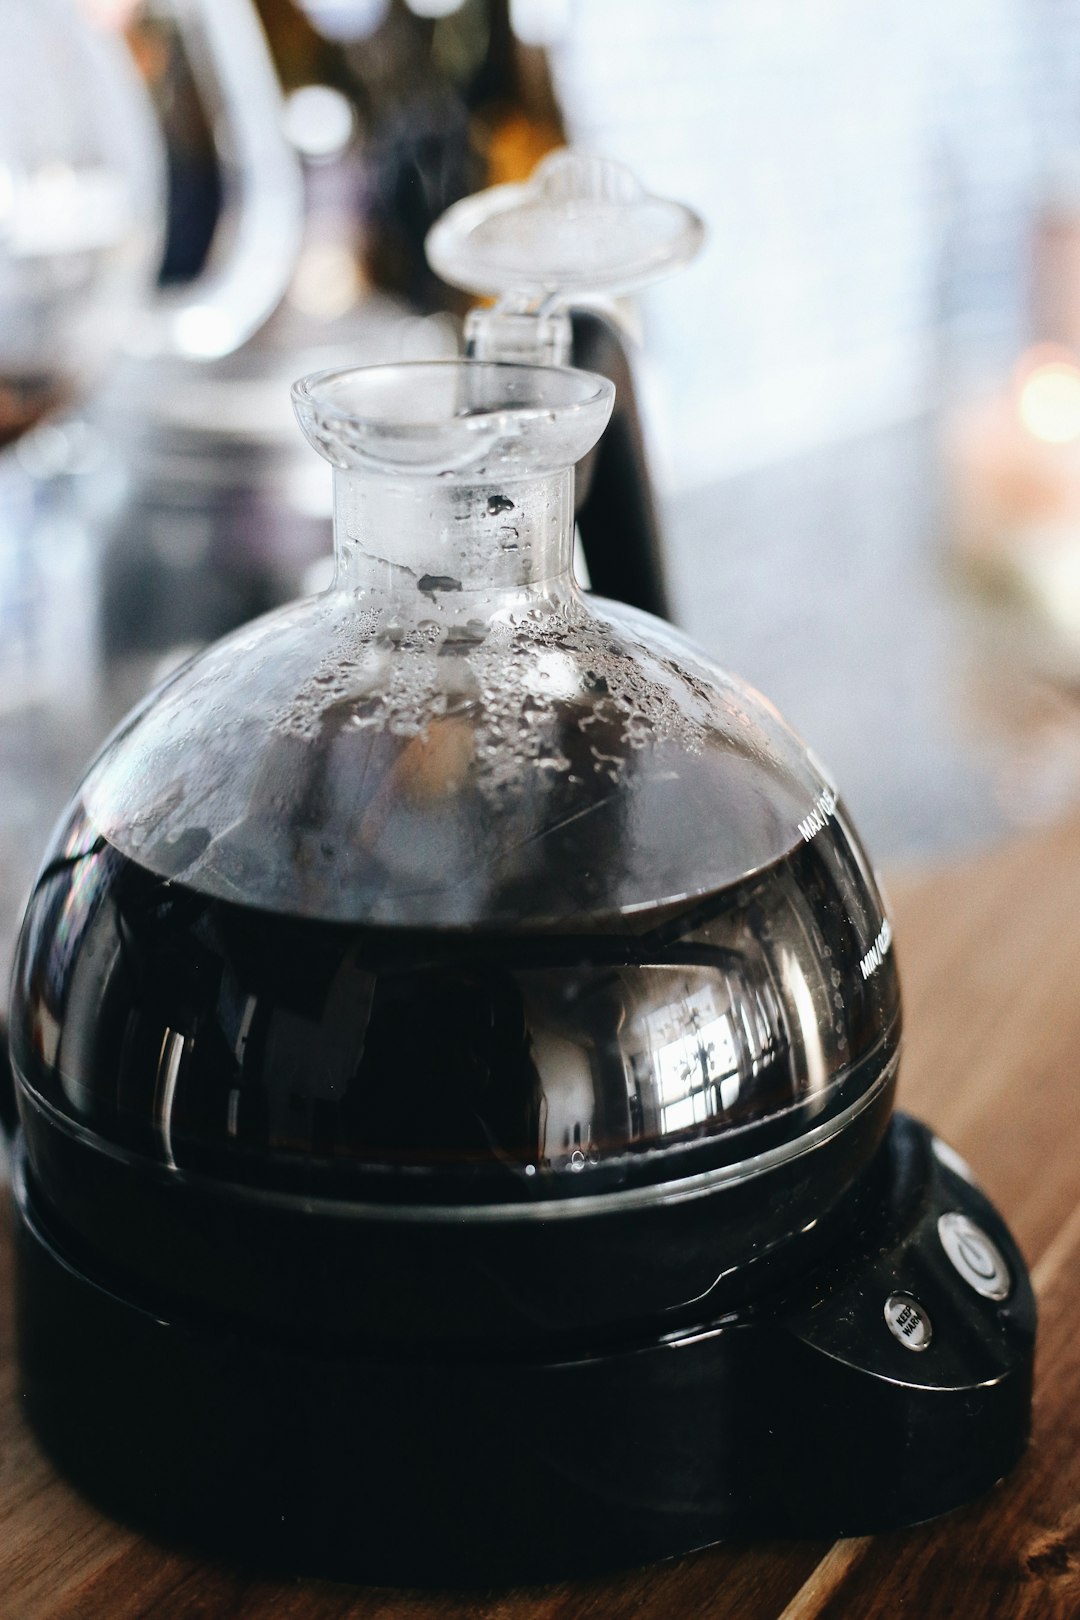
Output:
x=907 y=1321
x=978 y=1261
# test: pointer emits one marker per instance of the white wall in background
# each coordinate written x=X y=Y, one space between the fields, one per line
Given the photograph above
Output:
x=867 y=172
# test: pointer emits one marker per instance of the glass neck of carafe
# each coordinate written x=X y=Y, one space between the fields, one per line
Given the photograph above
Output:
x=439 y=547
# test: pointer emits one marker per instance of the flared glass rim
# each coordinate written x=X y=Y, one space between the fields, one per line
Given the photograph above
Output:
x=447 y=415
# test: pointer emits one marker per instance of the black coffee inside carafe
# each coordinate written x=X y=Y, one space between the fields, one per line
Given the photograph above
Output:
x=418 y=1064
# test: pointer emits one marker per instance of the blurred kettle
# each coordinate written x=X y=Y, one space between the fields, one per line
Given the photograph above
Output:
x=82 y=206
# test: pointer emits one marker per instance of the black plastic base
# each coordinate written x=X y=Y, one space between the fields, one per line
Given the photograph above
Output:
x=800 y=1414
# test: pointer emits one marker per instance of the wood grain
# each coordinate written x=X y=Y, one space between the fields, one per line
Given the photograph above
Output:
x=990 y=955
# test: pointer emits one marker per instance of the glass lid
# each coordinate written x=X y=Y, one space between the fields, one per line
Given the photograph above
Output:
x=582 y=225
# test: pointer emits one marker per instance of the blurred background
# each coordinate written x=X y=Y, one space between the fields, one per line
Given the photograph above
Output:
x=859 y=408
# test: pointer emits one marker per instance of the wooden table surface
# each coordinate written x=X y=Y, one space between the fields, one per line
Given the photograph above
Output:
x=990 y=958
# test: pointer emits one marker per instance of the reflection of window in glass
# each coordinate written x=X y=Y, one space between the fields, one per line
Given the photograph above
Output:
x=694 y=1060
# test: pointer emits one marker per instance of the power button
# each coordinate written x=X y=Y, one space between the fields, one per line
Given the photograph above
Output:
x=978 y=1261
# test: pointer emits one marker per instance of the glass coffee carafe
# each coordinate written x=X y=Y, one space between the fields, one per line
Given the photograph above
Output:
x=456 y=1029
x=584 y=894
x=558 y=905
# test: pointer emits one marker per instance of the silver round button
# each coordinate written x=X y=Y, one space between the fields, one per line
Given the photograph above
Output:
x=978 y=1261
x=907 y=1321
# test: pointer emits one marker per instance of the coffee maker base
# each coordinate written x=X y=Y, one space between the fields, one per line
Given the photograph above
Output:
x=892 y=1384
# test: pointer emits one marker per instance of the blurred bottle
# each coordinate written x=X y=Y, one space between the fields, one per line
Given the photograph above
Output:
x=79 y=207
x=456 y=102
x=516 y=117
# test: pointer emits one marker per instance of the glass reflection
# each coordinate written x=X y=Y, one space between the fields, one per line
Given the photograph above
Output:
x=638 y=1054
x=695 y=1067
